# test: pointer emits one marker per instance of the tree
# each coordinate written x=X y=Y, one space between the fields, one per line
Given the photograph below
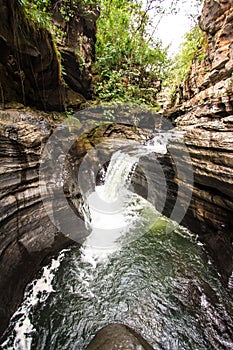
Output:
x=193 y=49
x=130 y=63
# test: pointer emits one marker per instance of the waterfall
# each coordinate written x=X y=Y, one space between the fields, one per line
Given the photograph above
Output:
x=118 y=176
x=163 y=285
x=113 y=208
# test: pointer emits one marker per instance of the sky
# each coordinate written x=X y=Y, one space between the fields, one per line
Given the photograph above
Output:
x=171 y=28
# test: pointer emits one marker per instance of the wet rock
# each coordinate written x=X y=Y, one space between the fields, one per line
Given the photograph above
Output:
x=27 y=235
x=204 y=112
x=77 y=46
x=30 y=65
x=118 y=337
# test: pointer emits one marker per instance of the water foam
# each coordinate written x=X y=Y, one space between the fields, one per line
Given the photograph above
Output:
x=37 y=292
x=114 y=210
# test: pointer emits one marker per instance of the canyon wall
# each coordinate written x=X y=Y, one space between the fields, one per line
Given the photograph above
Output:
x=30 y=73
x=27 y=235
x=47 y=65
x=204 y=111
x=37 y=69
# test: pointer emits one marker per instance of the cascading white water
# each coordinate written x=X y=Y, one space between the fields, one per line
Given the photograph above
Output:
x=162 y=286
x=117 y=176
x=113 y=208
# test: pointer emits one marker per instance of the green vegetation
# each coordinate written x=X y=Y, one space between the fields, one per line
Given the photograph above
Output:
x=130 y=64
x=192 y=49
x=37 y=11
x=40 y=10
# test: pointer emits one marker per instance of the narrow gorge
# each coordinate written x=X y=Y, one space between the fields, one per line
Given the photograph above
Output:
x=40 y=79
x=203 y=109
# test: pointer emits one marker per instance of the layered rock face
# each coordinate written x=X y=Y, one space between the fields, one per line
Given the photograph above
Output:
x=204 y=111
x=36 y=71
x=27 y=235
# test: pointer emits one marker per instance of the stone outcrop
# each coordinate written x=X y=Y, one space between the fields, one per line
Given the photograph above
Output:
x=36 y=69
x=209 y=79
x=117 y=337
x=204 y=111
x=27 y=235
x=76 y=44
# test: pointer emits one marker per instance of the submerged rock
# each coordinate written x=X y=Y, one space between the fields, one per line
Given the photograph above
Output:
x=118 y=337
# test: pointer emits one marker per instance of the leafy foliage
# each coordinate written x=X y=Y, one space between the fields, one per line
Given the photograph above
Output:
x=193 y=48
x=37 y=11
x=130 y=64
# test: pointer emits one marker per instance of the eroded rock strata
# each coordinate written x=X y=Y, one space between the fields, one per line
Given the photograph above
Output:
x=204 y=111
x=27 y=235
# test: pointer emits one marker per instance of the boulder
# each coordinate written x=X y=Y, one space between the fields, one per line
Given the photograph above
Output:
x=118 y=337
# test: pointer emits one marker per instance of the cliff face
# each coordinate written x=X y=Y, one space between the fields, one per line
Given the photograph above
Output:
x=39 y=69
x=30 y=73
x=204 y=111
x=27 y=235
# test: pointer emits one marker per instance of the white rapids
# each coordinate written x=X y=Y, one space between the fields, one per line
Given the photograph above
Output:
x=113 y=208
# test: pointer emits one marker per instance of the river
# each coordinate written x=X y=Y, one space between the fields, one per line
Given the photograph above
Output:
x=137 y=268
